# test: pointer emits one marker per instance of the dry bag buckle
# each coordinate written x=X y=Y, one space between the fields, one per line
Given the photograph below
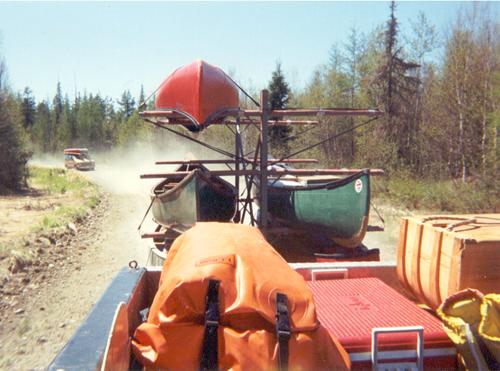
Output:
x=284 y=335
x=282 y=317
x=209 y=323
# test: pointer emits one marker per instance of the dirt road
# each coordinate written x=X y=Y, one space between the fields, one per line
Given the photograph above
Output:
x=52 y=307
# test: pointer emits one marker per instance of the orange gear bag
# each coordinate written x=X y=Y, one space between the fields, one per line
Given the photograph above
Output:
x=247 y=275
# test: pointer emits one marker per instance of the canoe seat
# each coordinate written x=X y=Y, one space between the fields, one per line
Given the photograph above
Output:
x=164 y=188
x=170 y=185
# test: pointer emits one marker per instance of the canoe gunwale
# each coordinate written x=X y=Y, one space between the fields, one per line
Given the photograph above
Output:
x=199 y=171
x=220 y=115
x=330 y=185
x=195 y=127
x=171 y=194
x=177 y=116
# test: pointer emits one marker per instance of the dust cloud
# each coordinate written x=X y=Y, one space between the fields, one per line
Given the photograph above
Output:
x=117 y=172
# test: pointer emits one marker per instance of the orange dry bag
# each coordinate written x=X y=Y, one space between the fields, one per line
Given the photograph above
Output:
x=228 y=300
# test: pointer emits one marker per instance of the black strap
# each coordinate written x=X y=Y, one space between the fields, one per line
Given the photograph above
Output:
x=209 y=353
x=282 y=330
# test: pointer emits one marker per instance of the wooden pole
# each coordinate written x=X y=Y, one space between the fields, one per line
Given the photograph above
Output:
x=237 y=151
x=178 y=120
x=264 y=104
x=279 y=113
x=318 y=111
x=229 y=161
x=271 y=122
x=273 y=172
x=250 y=184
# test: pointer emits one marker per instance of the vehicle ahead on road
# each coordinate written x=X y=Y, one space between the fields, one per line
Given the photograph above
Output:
x=78 y=158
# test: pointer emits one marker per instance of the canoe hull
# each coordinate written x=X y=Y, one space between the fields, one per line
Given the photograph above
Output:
x=337 y=209
x=198 y=197
x=199 y=90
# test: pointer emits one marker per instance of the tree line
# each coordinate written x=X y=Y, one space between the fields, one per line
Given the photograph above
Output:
x=441 y=117
x=88 y=120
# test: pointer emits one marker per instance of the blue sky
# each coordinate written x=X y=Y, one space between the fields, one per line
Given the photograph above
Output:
x=108 y=47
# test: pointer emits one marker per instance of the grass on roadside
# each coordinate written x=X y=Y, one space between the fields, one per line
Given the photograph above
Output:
x=71 y=197
x=58 y=181
x=83 y=193
x=478 y=196
x=62 y=216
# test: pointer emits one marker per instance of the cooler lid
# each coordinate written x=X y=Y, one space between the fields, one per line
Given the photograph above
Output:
x=350 y=308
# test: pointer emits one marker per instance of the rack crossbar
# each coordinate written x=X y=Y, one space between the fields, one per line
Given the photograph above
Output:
x=271 y=172
x=230 y=161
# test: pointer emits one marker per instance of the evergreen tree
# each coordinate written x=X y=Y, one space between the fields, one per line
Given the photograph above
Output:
x=142 y=97
x=398 y=91
x=279 y=95
x=57 y=103
x=66 y=131
x=127 y=104
x=133 y=131
x=56 y=113
x=13 y=156
x=42 y=132
x=28 y=108
x=91 y=121
x=111 y=124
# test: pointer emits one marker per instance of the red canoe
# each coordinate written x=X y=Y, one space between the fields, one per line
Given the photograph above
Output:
x=199 y=90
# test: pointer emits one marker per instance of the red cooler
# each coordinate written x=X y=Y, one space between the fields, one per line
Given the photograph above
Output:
x=351 y=308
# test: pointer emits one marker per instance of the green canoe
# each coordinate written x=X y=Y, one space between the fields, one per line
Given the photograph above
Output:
x=339 y=208
x=195 y=197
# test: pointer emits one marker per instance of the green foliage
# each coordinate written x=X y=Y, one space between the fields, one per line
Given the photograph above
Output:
x=89 y=121
x=58 y=180
x=127 y=104
x=28 y=108
x=13 y=155
x=446 y=195
x=62 y=216
x=279 y=95
x=442 y=120
x=133 y=131
x=93 y=201
x=43 y=132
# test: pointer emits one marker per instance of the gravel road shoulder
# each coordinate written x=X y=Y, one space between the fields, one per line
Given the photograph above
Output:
x=42 y=316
